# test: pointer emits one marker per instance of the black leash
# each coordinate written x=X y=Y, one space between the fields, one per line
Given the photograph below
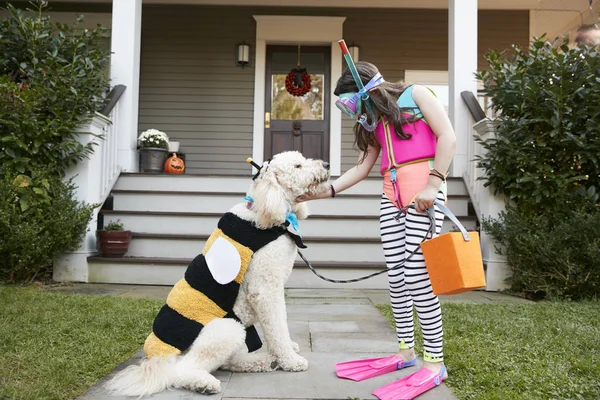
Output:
x=430 y=213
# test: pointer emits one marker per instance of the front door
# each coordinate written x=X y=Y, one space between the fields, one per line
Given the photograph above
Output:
x=291 y=122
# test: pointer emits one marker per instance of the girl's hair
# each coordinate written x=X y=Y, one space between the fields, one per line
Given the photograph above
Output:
x=386 y=103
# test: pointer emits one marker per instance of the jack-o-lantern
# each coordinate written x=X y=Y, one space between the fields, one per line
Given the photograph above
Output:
x=174 y=165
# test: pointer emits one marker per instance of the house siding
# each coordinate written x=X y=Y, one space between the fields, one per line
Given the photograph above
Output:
x=191 y=88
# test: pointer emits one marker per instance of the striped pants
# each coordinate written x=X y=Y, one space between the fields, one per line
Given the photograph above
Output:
x=410 y=284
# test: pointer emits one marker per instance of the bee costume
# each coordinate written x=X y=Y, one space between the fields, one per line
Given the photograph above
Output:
x=211 y=285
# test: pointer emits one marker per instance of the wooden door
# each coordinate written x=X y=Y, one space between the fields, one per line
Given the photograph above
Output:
x=297 y=123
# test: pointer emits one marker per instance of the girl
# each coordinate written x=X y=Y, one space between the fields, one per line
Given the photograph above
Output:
x=417 y=143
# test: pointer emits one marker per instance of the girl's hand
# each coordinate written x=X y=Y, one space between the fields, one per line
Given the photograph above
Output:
x=307 y=197
x=425 y=198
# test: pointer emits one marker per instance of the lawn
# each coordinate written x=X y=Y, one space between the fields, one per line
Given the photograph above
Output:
x=527 y=351
x=55 y=346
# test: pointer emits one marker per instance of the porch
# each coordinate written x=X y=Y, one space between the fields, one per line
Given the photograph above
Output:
x=178 y=63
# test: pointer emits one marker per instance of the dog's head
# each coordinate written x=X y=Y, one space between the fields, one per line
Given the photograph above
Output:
x=280 y=181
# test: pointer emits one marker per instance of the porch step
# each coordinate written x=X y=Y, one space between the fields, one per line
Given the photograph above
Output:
x=238 y=184
x=173 y=215
x=215 y=202
x=319 y=249
x=167 y=271
x=190 y=223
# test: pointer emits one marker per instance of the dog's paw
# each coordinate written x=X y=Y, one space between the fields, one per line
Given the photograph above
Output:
x=295 y=347
x=205 y=384
x=293 y=363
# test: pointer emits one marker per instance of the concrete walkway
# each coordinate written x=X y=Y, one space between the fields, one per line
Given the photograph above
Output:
x=330 y=325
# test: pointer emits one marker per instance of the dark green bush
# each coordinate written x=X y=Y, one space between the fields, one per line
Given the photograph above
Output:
x=52 y=80
x=32 y=236
x=553 y=255
x=545 y=160
x=547 y=137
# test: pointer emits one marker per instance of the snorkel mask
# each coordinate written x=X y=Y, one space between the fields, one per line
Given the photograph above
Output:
x=351 y=103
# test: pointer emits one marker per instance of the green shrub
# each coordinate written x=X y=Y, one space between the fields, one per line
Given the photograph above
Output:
x=547 y=137
x=52 y=80
x=552 y=255
x=545 y=160
x=32 y=236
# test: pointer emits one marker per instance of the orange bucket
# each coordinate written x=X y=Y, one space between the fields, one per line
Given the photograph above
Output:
x=453 y=260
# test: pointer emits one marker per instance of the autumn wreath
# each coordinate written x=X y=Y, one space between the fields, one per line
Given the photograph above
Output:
x=297 y=82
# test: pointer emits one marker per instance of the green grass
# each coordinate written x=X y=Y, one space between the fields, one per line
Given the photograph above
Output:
x=55 y=346
x=527 y=351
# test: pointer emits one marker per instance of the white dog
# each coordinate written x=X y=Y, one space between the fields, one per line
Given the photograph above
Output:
x=192 y=344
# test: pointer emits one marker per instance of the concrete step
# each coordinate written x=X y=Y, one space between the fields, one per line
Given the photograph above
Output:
x=343 y=226
x=318 y=249
x=167 y=271
x=220 y=202
x=237 y=184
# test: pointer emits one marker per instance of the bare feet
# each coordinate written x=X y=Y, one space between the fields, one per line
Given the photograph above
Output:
x=436 y=367
x=407 y=354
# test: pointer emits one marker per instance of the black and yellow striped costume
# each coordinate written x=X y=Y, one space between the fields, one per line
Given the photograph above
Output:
x=198 y=298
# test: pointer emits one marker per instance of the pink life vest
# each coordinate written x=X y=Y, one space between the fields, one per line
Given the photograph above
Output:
x=397 y=152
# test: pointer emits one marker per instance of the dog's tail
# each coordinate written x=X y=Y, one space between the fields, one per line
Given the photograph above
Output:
x=152 y=375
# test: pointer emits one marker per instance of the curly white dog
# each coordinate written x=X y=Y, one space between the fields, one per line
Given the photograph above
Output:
x=237 y=281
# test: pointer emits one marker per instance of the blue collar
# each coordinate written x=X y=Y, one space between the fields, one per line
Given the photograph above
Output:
x=290 y=217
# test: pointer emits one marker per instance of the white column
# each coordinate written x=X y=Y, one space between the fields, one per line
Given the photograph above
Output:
x=125 y=70
x=462 y=65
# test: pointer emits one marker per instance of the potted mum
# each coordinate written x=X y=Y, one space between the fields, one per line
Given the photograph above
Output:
x=152 y=146
x=114 y=239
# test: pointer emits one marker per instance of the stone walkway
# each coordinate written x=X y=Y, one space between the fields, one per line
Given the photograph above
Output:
x=330 y=325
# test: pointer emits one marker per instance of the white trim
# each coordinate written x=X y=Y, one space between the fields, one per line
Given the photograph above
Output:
x=462 y=65
x=428 y=4
x=126 y=39
x=276 y=29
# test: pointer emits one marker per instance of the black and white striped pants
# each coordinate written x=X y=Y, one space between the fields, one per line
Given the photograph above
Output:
x=410 y=284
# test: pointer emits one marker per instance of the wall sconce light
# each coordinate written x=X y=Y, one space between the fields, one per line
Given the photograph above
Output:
x=243 y=54
x=354 y=50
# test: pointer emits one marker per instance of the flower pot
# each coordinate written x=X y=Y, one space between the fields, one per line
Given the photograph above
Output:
x=114 y=243
x=152 y=159
x=173 y=147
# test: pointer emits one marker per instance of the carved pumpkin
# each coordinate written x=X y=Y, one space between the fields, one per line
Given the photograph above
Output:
x=174 y=165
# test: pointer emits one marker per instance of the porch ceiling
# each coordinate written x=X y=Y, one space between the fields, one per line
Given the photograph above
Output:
x=434 y=4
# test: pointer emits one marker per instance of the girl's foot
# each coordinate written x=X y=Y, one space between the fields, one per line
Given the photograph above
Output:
x=436 y=367
x=407 y=354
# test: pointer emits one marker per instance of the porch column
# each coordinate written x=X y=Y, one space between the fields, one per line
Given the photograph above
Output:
x=125 y=70
x=462 y=65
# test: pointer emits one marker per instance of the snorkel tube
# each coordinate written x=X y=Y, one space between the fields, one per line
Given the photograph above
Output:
x=361 y=90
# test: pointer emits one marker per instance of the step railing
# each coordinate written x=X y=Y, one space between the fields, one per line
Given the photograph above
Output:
x=485 y=202
x=94 y=178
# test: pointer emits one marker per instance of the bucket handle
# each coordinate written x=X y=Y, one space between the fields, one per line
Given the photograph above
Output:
x=451 y=216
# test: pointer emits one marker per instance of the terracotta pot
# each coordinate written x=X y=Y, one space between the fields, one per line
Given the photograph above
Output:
x=114 y=243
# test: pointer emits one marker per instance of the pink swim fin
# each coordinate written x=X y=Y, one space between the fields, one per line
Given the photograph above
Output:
x=410 y=386
x=360 y=370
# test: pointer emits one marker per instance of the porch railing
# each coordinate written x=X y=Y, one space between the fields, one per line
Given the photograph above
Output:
x=485 y=202
x=94 y=178
x=110 y=168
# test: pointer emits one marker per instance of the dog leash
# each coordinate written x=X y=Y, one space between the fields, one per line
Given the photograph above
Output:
x=430 y=214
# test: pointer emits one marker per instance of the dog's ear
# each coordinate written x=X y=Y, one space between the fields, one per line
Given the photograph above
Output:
x=270 y=201
x=301 y=210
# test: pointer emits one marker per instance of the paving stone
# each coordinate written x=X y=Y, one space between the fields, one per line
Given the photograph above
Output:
x=92 y=288
x=151 y=292
x=333 y=312
x=318 y=382
x=331 y=342
x=98 y=392
x=327 y=300
x=349 y=326
x=324 y=293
